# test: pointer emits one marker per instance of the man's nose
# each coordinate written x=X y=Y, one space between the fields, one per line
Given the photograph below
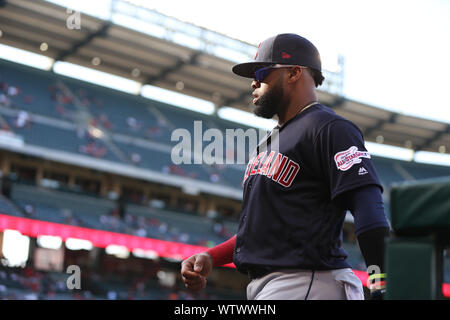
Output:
x=255 y=84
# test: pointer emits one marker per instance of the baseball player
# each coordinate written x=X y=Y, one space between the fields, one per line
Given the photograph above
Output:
x=296 y=194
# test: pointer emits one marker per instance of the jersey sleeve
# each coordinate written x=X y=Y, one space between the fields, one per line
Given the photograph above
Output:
x=344 y=161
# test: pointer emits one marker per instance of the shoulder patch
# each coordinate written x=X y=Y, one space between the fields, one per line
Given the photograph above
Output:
x=347 y=158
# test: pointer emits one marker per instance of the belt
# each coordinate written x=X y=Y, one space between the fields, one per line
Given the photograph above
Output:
x=255 y=272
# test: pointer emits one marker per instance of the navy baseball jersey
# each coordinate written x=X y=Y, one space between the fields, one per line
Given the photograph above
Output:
x=290 y=217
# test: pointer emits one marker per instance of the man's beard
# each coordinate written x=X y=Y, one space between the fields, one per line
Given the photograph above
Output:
x=269 y=104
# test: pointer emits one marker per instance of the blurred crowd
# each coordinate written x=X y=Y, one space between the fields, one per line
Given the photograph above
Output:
x=30 y=284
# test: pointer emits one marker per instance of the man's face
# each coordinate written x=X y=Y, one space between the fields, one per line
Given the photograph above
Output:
x=268 y=95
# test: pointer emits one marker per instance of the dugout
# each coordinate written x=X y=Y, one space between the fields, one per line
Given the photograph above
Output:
x=414 y=256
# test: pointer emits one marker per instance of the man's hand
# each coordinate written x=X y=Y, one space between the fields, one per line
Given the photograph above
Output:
x=195 y=270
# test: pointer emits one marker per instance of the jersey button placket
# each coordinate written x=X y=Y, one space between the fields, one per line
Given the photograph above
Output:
x=244 y=217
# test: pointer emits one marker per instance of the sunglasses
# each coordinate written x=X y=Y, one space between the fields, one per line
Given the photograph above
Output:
x=262 y=73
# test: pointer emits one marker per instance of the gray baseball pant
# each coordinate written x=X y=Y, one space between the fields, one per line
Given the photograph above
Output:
x=338 y=284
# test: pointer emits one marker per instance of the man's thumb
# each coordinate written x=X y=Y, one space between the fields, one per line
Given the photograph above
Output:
x=198 y=265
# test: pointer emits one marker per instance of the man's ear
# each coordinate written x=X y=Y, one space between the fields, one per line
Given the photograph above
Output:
x=295 y=74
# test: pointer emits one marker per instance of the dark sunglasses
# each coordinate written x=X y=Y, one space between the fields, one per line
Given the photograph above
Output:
x=262 y=73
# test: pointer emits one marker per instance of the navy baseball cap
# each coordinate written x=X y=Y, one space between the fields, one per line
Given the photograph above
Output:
x=286 y=48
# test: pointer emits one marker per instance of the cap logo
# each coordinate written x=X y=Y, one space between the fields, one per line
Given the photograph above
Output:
x=285 y=55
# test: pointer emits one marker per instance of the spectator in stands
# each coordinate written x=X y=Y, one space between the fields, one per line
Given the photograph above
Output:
x=84 y=149
x=165 y=169
x=4 y=100
x=154 y=222
x=3 y=292
x=193 y=175
x=153 y=132
x=87 y=295
x=112 y=295
x=177 y=170
x=63 y=98
x=93 y=149
x=13 y=91
x=110 y=222
x=174 y=295
x=62 y=112
x=99 y=151
x=69 y=218
x=184 y=237
x=23 y=120
x=185 y=295
x=163 y=228
x=104 y=121
x=94 y=122
x=30 y=210
x=218 y=228
x=3 y=87
x=214 y=177
x=134 y=124
x=28 y=99
x=5 y=127
x=135 y=158
x=141 y=232
x=104 y=220
x=57 y=96
x=130 y=220
x=81 y=132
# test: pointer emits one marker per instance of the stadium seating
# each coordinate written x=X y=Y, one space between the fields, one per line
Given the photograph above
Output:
x=34 y=88
x=92 y=212
x=6 y=207
x=425 y=171
x=151 y=121
x=387 y=173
